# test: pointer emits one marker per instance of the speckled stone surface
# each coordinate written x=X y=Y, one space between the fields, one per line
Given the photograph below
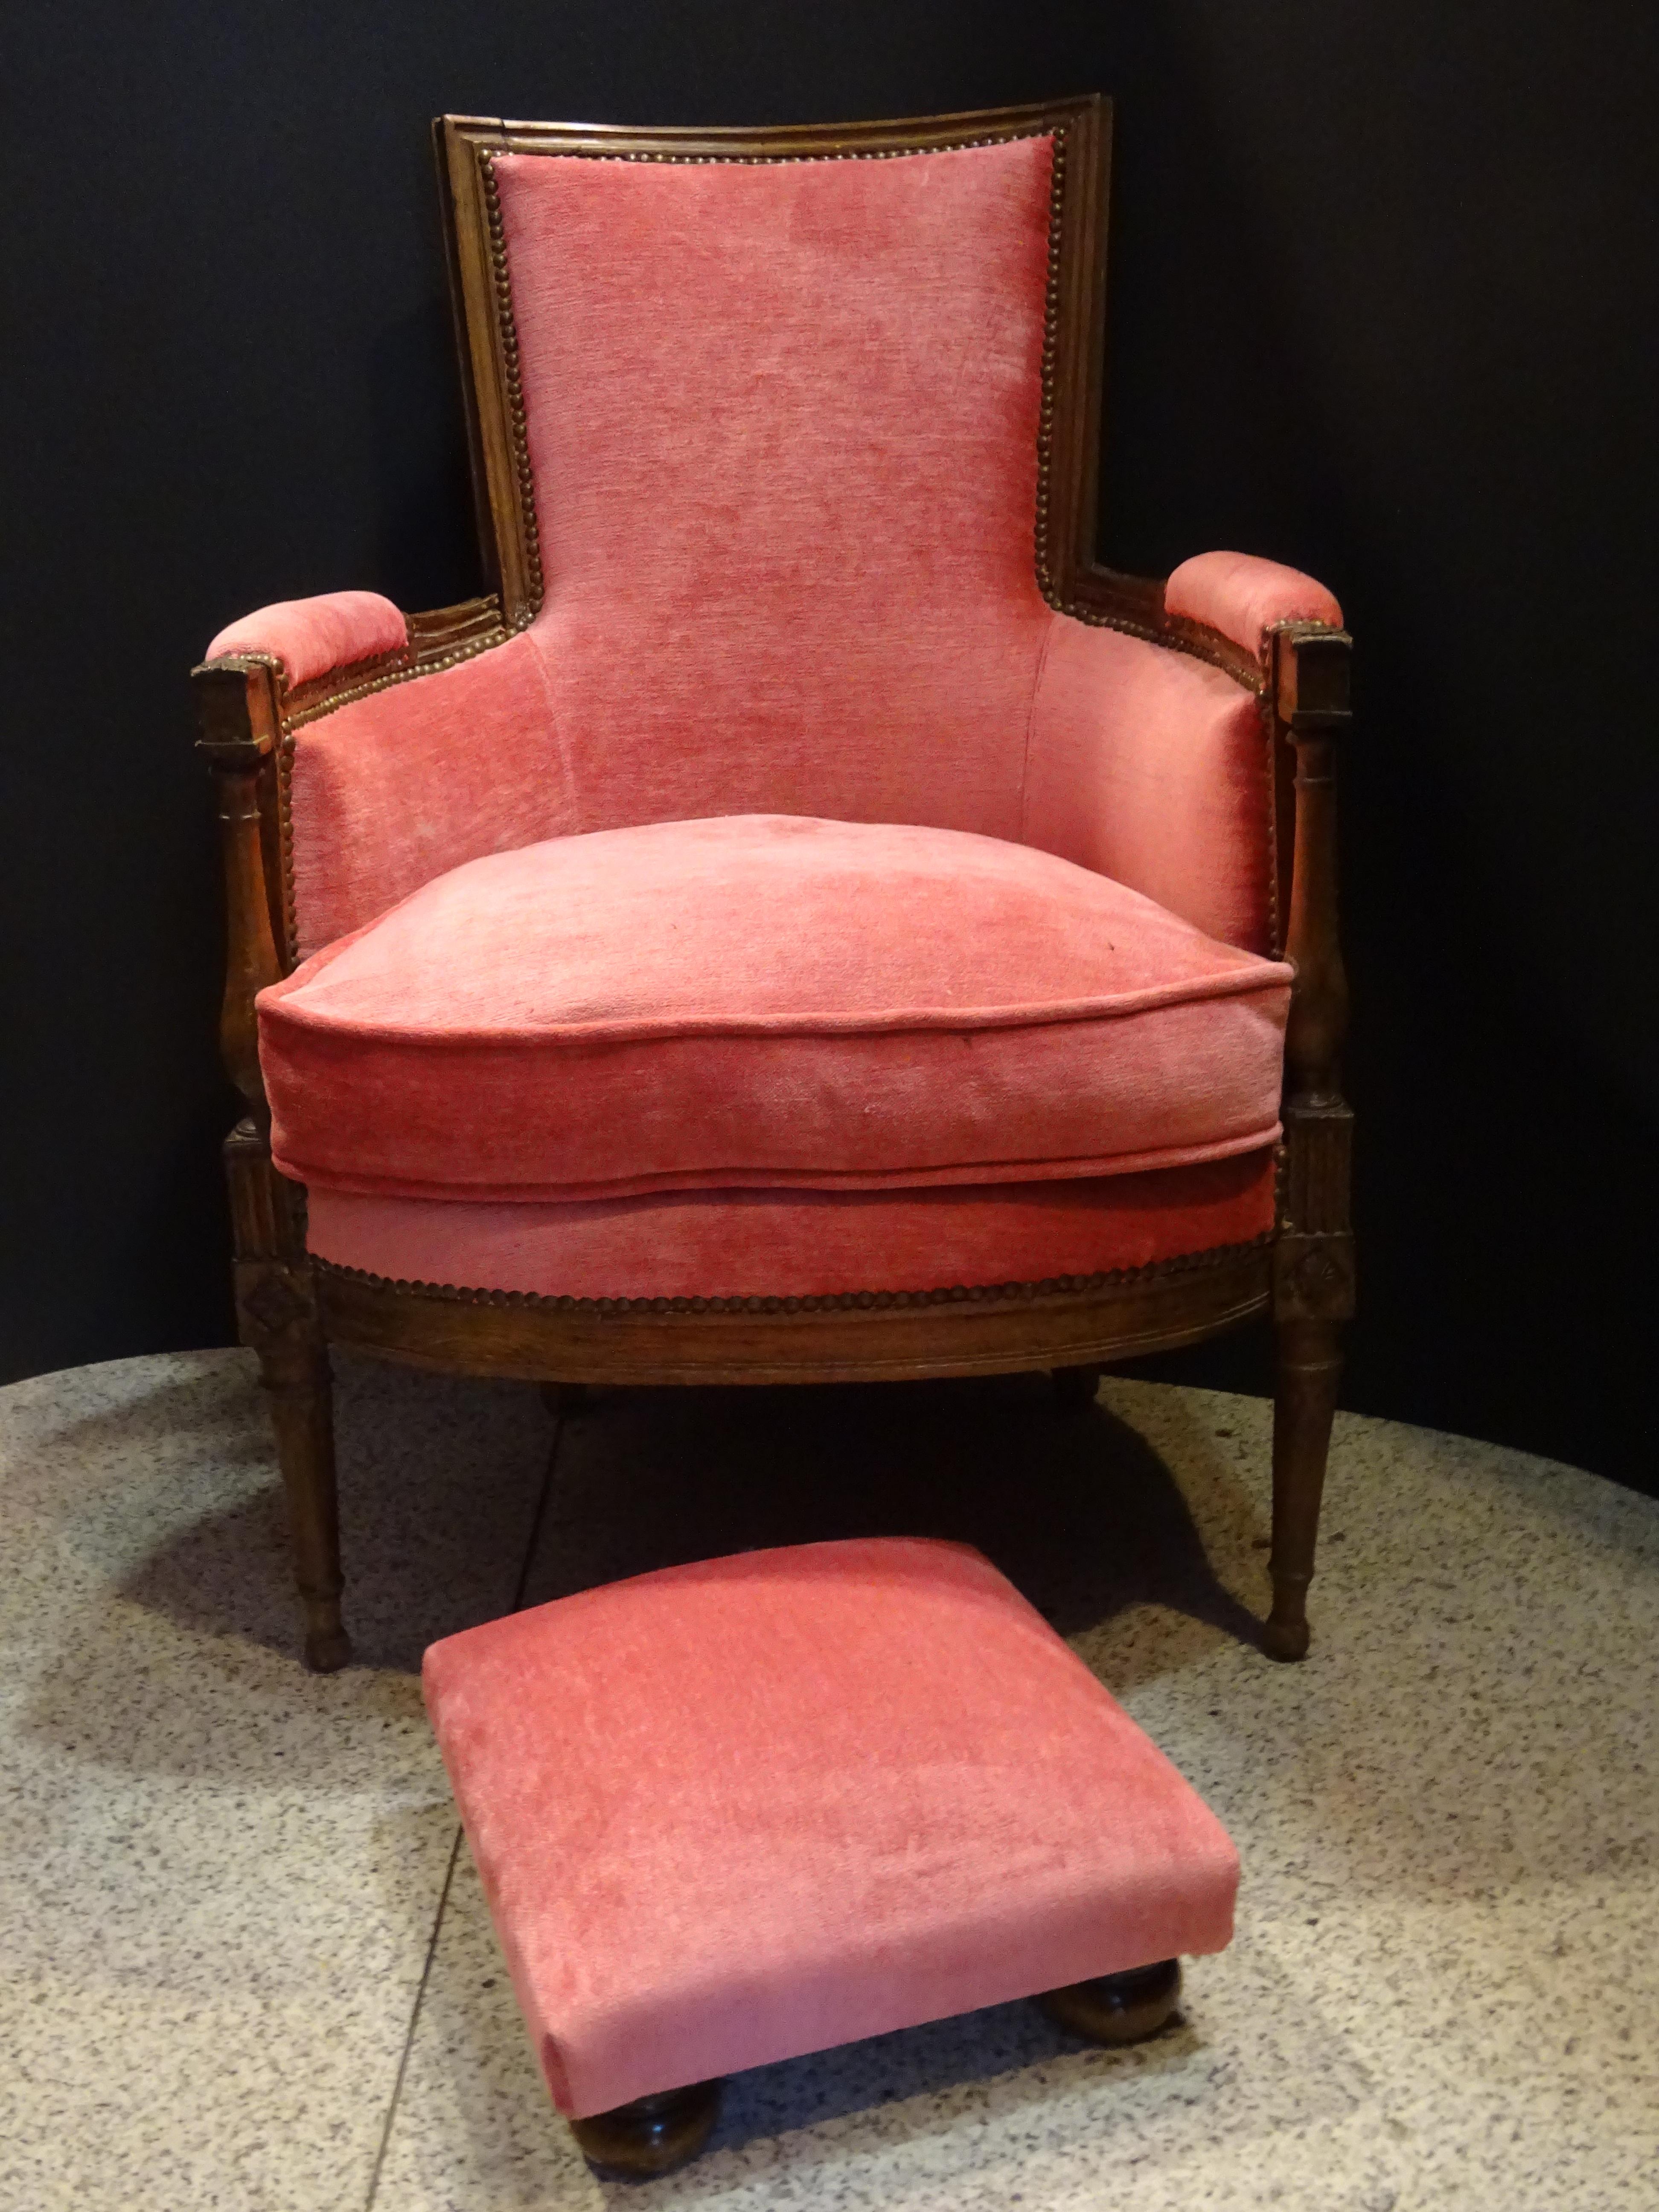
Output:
x=1446 y=1981
x=218 y=1874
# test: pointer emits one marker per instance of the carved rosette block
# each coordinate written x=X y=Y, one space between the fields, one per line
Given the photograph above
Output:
x=1313 y=1277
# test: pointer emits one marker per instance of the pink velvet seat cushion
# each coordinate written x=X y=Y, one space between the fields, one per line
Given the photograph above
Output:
x=731 y=1813
x=772 y=1000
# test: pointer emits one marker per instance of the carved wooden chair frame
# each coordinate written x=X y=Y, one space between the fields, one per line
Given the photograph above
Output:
x=290 y=1307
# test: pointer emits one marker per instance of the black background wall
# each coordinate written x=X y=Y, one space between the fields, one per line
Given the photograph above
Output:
x=1382 y=306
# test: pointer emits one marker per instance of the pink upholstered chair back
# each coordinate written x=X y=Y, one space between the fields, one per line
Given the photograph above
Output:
x=783 y=418
x=760 y=436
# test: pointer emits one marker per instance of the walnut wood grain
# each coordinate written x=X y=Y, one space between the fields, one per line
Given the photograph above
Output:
x=1313 y=1275
x=277 y=1317
x=237 y=724
x=653 y=2134
x=538 y=1340
x=1117 y=2008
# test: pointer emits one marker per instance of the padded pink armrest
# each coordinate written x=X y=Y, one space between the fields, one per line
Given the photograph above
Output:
x=311 y=637
x=1244 y=598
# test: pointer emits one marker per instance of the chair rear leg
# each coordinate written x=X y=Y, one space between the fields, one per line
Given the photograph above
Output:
x=1076 y=1387
x=1308 y=1368
x=302 y=1387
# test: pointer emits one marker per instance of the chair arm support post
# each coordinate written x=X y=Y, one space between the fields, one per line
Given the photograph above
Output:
x=1313 y=1262
x=1311 y=685
x=1313 y=1259
x=1318 y=997
x=237 y=720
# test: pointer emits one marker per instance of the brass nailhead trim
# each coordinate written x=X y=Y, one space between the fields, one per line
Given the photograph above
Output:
x=1046 y=585
x=834 y=1301
x=1268 y=716
x=285 y=843
x=1050 y=350
x=776 y=160
x=507 y=331
x=314 y=711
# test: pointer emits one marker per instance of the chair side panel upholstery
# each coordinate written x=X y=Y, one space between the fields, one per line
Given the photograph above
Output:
x=1153 y=768
x=401 y=785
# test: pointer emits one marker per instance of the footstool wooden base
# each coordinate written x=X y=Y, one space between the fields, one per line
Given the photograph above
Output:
x=736 y=1812
x=1118 y=2007
x=652 y=2135
x=655 y=2135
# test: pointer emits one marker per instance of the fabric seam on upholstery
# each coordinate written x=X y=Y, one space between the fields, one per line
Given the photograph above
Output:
x=1050 y=1286
x=672 y=1182
x=1232 y=983
x=1030 y=722
x=567 y=773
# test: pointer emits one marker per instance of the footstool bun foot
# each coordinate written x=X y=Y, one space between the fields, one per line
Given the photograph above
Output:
x=653 y=2134
x=1117 y=2008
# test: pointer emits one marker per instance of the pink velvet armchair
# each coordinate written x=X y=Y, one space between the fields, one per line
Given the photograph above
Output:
x=809 y=922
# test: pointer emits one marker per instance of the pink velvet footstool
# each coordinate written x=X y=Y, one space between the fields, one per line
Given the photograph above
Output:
x=735 y=1812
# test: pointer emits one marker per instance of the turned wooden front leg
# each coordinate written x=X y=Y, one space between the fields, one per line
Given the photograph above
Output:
x=302 y=1389
x=277 y=1310
x=1308 y=1368
x=277 y=1315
